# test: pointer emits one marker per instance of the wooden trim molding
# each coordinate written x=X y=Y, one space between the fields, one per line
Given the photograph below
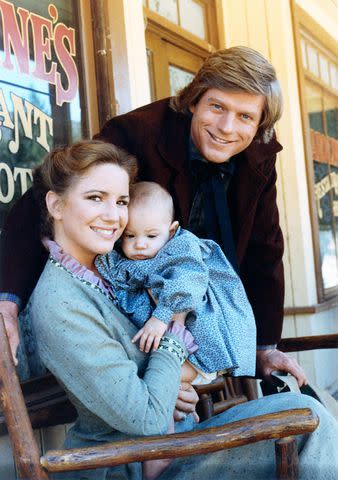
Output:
x=311 y=309
x=103 y=63
x=88 y=61
x=176 y=35
x=308 y=152
x=314 y=29
x=314 y=342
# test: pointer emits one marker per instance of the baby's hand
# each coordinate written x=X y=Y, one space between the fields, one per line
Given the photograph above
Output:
x=151 y=334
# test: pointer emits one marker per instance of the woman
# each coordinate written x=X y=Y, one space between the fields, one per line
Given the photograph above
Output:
x=86 y=342
x=86 y=191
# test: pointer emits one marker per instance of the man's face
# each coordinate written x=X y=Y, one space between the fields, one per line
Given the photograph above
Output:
x=224 y=123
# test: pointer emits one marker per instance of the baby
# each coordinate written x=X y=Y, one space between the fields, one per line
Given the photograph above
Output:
x=168 y=273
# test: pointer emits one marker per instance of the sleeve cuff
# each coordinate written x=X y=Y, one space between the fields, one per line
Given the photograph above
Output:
x=267 y=347
x=184 y=336
x=163 y=313
x=10 y=297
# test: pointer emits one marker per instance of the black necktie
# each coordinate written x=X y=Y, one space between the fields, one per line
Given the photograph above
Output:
x=211 y=181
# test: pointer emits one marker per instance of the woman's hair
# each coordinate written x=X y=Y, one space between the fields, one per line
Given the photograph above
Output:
x=236 y=69
x=64 y=165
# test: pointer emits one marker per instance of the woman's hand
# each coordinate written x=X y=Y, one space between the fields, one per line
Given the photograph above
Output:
x=186 y=403
x=151 y=334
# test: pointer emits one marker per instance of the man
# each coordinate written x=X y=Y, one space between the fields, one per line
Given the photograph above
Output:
x=213 y=147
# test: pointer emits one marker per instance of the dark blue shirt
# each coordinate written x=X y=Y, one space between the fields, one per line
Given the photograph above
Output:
x=209 y=215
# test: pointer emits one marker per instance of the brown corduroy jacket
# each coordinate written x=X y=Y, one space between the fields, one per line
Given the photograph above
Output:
x=158 y=137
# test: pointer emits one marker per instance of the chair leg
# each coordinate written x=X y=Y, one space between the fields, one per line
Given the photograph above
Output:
x=25 y=449
x=206 y=406
x=287 y=464
x=249 y=386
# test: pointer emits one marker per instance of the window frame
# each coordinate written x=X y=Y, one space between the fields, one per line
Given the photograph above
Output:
x=166 y=41
x=304 y=22
x=173 y=31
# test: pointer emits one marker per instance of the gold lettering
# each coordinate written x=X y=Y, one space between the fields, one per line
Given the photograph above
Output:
x=26 y=121
x=322 y=187
x=8 y=197
x=23 y=174
x=43 y=119
x=327 y=183
x=335 y=208
x=22 y=116
x=4 y=113
x=334 y=181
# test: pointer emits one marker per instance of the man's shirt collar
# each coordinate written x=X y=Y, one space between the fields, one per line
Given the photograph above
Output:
x=195 y=156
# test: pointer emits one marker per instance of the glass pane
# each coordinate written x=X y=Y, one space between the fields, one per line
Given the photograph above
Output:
x=313 y=60
x=331 y=116
x=334 y=76
x=178 y=78
x=303 y=47
x=327 y=244
x=192 y=17
x=334 y=173
x=314 y=107
x=40 y=101
x=324 y=69
x=165 y=8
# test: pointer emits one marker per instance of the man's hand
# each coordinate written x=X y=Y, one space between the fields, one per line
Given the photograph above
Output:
x=10 y=312
x=271 y=360
x=186 y=402
x=151 y=334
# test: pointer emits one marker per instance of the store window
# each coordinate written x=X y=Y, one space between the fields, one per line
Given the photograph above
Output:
x=41 y=88
x=188 y=14
x=319 y=61
x=179 y=36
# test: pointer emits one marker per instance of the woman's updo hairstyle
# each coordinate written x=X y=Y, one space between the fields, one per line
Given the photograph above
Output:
x=64 y=165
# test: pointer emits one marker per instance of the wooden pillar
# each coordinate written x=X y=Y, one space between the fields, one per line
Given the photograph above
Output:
x=103 y=62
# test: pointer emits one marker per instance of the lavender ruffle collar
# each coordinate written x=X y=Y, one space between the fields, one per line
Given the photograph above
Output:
x=75 y=267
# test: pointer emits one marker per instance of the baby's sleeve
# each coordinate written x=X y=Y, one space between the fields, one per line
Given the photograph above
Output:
x=180 y=282
x=127 y=282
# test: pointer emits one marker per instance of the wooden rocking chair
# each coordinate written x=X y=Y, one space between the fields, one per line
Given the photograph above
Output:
x=30 y=466
x=227 y=392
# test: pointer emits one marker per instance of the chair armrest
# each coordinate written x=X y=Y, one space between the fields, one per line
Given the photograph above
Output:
x=46 y=402
x=243 y=432
x=298 y=344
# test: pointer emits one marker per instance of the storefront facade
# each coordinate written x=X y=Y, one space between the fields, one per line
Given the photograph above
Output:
x=68 y=66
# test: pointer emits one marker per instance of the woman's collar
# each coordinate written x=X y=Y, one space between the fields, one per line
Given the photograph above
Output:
x=71 y=264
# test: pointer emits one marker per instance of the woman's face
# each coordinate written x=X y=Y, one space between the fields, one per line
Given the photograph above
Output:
x=92 y=214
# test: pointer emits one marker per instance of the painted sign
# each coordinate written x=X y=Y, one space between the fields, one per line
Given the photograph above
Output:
x=325 y=163
x=327 y=183
x=39 y=89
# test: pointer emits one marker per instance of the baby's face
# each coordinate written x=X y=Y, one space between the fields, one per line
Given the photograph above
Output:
x=147 y=231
